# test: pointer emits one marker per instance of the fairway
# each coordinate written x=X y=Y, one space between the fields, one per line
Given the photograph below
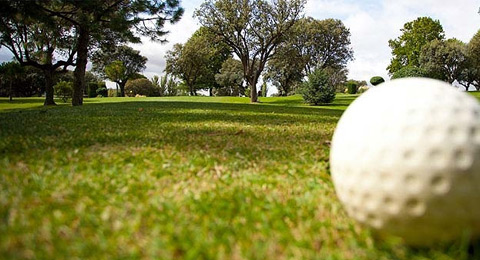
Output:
x=179 y=177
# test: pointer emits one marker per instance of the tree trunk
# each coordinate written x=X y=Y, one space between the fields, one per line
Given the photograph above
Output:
x=122 y=88
x=49 y=89
x=253 y=92
x=210 y=92
x=190 y=88
x=81 y=66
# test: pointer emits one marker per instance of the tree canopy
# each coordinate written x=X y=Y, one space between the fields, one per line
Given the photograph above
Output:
x=37 y=39
x=444 y=60
x=323 y=43
x=471 y=75
x=252 y=29
x=119 y=64
x=198 y=60
x=406 y=49
x=230 y=78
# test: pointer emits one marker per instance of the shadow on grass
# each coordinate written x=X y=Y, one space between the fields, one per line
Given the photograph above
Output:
x=213 y=106
x=161 y=123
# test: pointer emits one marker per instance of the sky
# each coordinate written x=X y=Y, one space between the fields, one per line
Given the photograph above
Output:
x=371 y=22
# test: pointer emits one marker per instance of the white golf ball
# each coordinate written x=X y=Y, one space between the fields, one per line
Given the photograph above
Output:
x=405 y=160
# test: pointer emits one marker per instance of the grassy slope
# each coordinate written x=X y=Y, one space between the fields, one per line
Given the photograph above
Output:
x=212 y=178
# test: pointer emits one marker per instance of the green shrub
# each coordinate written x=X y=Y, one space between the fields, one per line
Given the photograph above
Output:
x=377 y=80
x=351 y=87
x=64 y=90
x=92 y=89
x=141 y=87
x=102 y=92
x=410 y=71
x=318 y=89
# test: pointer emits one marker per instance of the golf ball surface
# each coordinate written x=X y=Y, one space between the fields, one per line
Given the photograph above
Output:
x=405 y=160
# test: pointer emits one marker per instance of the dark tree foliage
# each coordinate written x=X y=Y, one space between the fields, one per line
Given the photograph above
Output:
x=9 y=73
x=37 y=39
x=252 y=29
x=29 y=82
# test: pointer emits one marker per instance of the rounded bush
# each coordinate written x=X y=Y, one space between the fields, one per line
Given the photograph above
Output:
x=352 y=87
x=142 y=87
x=318 y=89
x=64 y=90
x=377 y=80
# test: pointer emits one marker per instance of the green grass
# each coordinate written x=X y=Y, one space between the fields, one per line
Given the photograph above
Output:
x=182 y=177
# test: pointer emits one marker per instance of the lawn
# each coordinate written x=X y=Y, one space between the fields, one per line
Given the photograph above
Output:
x=182 y=177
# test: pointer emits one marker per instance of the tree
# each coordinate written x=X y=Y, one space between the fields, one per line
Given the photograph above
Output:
x=184 y=62
x=376 y=80
x=123 y=63
x=230 y=78
x=110 y=21
x=38 y=40
x=285 y=69
x=471 y=75
x=337 y=77
x=406 y=49
x=9 y=73
x=160 y=84
x=318 y=89
x=198 y=60
x=312 y=44
x=409 y=72
x=29 y=82
x=323 y=43
x=444 y=60
x=252 y=28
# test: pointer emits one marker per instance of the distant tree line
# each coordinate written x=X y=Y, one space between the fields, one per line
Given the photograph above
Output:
x=423 y=51
x=54 y=35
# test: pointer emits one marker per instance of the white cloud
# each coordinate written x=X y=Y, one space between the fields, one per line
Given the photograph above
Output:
x=373 y=22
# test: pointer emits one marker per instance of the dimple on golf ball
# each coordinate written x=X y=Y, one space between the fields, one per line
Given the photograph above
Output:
x=405 y=160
